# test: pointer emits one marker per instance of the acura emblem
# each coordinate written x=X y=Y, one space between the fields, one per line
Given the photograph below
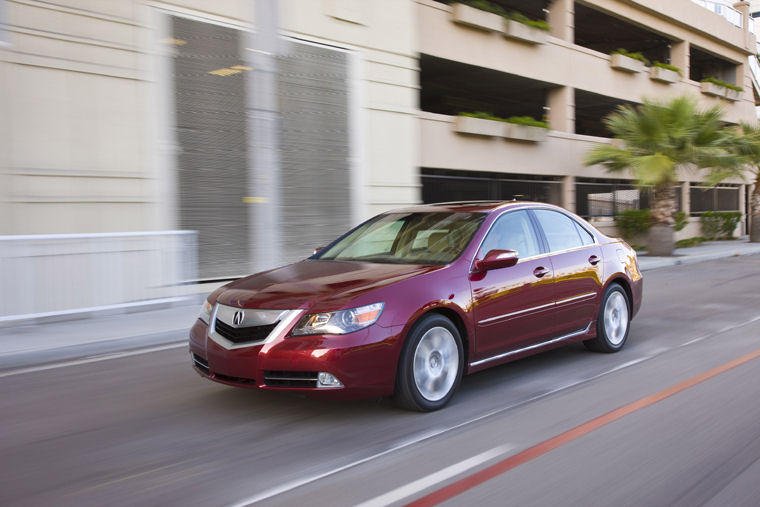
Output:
x=237 y=319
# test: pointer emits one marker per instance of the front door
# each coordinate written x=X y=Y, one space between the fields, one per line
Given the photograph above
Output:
x=512 y=306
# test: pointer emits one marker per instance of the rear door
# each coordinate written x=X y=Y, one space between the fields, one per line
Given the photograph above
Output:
x=576 y=259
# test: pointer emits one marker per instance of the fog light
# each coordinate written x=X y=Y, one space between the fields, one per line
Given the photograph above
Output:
x=325 y=379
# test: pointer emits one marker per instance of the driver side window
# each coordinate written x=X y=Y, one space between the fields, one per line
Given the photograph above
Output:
x=512 y=231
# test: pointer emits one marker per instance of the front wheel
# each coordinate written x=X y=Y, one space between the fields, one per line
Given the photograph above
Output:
x=430 y=367
x=613 y=322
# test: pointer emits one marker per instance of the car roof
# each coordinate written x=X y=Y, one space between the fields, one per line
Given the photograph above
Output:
x=469 y=206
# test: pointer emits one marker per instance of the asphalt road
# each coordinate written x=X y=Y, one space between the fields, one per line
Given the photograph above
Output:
x=144 y=429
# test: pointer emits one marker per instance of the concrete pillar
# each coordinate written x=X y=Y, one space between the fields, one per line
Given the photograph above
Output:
x=743 y=7
x=561 y=20
x=263 y=139
x=686 y=197
x=561 y=104
x=679 y=56
x=568 y=193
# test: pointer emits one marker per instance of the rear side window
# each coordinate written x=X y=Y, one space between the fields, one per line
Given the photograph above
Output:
x=586 y=236
x=560 y=230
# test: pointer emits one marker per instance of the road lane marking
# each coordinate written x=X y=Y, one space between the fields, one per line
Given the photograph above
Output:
x=507 y=464
x=297 y=483
x=92 y=359
x=435 y=478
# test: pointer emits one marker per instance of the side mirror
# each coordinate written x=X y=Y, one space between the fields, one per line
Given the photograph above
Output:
x=497 y=259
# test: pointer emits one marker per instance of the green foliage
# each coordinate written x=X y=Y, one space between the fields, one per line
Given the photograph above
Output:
x=525 y=20
x=483 y=116
x=719 y=224
x=682 y=220
x=636 y=56
x=690 y=242
x=528 y=121
x=485 y=5
x=720 y=82
x=633 y=222
x=660 y=137
x=667 y=66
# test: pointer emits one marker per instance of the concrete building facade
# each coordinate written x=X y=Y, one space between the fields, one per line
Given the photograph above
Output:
x=143 y=115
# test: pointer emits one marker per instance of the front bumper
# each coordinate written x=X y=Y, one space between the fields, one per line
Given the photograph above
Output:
x=364 y=362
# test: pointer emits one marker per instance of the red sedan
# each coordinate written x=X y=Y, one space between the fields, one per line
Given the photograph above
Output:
x=408 y=302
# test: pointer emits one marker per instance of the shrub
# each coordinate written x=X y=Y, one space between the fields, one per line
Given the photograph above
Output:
x=483 y=5
x=525 y=20
x=719 y=224
x=667 y=66
x=636 y=56
x=483 y=116
x=720 y=82
x=682 y=220
x=528 y=121
x=689 y=242
x=633 y=222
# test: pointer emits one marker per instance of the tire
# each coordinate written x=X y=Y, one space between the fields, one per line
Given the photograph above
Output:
x=613 y=322
x=431 y=364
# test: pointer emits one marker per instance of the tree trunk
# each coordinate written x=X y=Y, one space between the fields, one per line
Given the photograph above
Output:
x=754 y=210
x=661 y=234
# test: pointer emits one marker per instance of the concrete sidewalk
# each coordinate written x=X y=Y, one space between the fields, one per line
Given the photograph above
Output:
x=38 y=343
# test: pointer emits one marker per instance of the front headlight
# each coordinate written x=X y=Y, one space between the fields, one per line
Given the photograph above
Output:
x=341 y=322
x=206 y=310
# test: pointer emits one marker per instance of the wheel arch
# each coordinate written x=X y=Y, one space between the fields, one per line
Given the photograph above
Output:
x=625 y=284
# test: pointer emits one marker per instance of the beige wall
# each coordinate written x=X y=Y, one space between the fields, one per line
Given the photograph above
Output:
x=567 y=64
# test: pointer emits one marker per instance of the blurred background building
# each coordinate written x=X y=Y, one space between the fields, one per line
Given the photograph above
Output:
x=148 y=145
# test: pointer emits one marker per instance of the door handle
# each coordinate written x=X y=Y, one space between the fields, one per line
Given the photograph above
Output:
x=540 y=272
x=594 y=260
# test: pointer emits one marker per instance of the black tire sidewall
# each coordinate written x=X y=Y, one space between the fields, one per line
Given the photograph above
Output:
x=406 y=388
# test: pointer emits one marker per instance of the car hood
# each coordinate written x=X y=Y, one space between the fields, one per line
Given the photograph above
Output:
x=315 y=284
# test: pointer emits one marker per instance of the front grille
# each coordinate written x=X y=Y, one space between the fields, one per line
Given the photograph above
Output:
x=278 y=378
x=237 y=380
x=200 y=363
x=244 y=334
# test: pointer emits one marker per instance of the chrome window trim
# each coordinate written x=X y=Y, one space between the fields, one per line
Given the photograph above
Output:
x=534 y=346
x=287 y=320
x=546 y=254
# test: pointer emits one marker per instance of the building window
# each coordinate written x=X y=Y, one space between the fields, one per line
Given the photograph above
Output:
x=443 y=185
x=607 y=198
x=721 y=198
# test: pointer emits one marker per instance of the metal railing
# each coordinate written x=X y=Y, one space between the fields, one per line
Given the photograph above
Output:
x=731 y=15
x=62 y=273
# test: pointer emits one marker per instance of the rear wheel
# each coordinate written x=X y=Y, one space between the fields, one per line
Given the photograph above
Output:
x=430 y=367
x=613 y=322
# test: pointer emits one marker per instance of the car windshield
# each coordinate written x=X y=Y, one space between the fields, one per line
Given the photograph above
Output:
x=407 y=238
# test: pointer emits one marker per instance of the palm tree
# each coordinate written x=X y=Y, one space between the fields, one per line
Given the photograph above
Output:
x=658 y=141
x=747 y=145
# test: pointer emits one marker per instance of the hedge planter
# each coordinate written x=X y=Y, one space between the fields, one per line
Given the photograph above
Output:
x=713 y=89
x=527 y=133
x=626 y=64
x=663 y=75
x=733 y=95
x=524 y=33
x=478 y=126
x=475 y=18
